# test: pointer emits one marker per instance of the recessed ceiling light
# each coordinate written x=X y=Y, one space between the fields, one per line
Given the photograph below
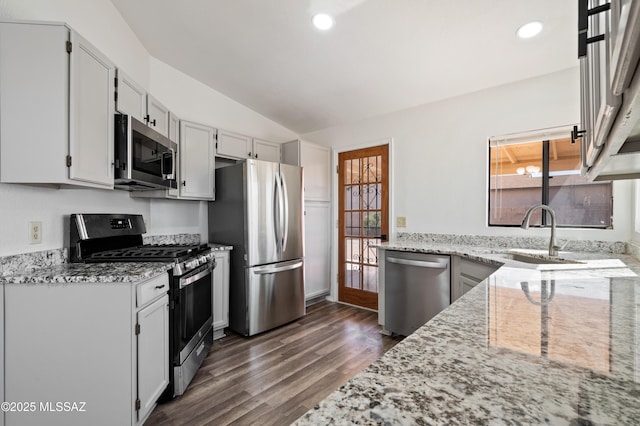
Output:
x=529 y=30
x=322 y=21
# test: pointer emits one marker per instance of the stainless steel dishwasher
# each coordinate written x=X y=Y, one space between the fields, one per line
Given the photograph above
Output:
x=417 y=288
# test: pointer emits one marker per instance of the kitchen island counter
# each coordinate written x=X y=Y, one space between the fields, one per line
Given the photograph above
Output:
x=529 y=345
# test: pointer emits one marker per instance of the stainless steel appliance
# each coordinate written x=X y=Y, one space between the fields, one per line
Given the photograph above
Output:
x=417 y=288
x=258 y=210
x=118 y=238
x=144 y=159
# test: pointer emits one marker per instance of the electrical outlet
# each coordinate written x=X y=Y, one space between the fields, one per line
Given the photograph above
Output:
x=401 y=222
x=35 y=232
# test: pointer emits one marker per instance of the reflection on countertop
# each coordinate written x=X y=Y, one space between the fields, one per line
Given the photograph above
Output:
x=556 y=319
x=526 y=346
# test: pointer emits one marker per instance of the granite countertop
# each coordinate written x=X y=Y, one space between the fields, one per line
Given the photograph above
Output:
x=532 y=344
x=88 y=273
x=52 y=266
x=220 y=247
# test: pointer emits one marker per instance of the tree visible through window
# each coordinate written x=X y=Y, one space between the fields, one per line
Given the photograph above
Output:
x=525 y=171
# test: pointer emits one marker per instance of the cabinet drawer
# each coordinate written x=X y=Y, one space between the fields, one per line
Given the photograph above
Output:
x=149 y=290
x=476 y=270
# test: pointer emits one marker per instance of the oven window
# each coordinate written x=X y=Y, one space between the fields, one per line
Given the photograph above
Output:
x=196 y=307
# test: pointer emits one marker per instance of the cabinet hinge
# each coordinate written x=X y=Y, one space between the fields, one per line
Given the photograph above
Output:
x=68 y=161
x=137 y=405
x=69 y=47
x=137 y=329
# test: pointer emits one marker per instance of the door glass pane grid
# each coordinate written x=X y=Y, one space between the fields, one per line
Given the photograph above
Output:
x=371 y=170
x=352 y=172
x=352 y=197
x=372 y=196
x=353 y=257
x=363 y=181
x=362 y=218
x=353 y=224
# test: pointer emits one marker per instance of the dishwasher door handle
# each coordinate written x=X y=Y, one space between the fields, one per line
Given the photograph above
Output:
x=418 y=263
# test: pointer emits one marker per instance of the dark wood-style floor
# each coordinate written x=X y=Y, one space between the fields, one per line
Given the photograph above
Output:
x=275 y=377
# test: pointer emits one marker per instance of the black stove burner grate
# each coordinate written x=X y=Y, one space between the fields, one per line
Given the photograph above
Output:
x=158 y=252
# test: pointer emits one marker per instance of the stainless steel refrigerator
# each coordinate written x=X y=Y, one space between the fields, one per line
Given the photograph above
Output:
x=258 y=210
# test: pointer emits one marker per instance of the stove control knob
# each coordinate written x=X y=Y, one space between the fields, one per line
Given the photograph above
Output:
x=191 y=264
x=202 y=260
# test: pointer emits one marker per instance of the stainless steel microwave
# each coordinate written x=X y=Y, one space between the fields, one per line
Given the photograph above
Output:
x=144 y=159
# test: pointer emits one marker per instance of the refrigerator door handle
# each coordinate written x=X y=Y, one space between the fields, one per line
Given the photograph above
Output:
x=276 y=213
x=272 y=269
x=285 y=212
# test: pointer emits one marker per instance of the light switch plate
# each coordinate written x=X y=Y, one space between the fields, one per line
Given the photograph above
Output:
x=401 y=222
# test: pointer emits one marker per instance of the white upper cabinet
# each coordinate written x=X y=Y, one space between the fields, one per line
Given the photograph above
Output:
x=609 y=40
x=133 y=100
x=316 y=162
x=197 y=161
x=56 y=107
x=265 y=150
x=157 y=116
x=233 y=145
x=238 y=147
x=174 y=128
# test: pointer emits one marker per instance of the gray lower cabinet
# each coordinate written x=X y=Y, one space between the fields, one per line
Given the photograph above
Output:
x=466 y=274
x=86 y=353
x=220 y=293
x=317 y=250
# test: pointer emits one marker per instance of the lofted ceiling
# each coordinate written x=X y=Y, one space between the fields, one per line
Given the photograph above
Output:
x=381 y=55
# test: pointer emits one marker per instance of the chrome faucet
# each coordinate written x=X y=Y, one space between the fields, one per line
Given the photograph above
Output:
x=553 y=247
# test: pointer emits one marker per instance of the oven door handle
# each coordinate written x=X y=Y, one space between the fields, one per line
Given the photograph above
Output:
x=193 y=278
x=275 y=269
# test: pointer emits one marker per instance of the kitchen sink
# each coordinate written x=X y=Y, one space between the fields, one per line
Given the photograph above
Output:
x=537 y=260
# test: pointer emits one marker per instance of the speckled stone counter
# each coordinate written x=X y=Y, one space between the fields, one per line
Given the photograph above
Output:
x=220 y=247
x=529 y=345
x=89 y=273
x=50 y=266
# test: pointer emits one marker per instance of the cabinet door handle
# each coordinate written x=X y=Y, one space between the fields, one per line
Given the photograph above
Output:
x=153 y=123
x=160 y=286
x=146 y=118
x=184 y=183
x=249 y=155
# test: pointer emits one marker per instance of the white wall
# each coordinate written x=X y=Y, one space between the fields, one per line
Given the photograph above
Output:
x=440 y=156
x=100 y=23
x=193 y=101
x=96 y=20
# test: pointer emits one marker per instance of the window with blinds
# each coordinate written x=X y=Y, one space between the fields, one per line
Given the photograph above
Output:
x=544 y=168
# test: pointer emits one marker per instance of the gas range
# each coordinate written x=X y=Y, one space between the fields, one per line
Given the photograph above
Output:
x=118 y=238
x=184 y=257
